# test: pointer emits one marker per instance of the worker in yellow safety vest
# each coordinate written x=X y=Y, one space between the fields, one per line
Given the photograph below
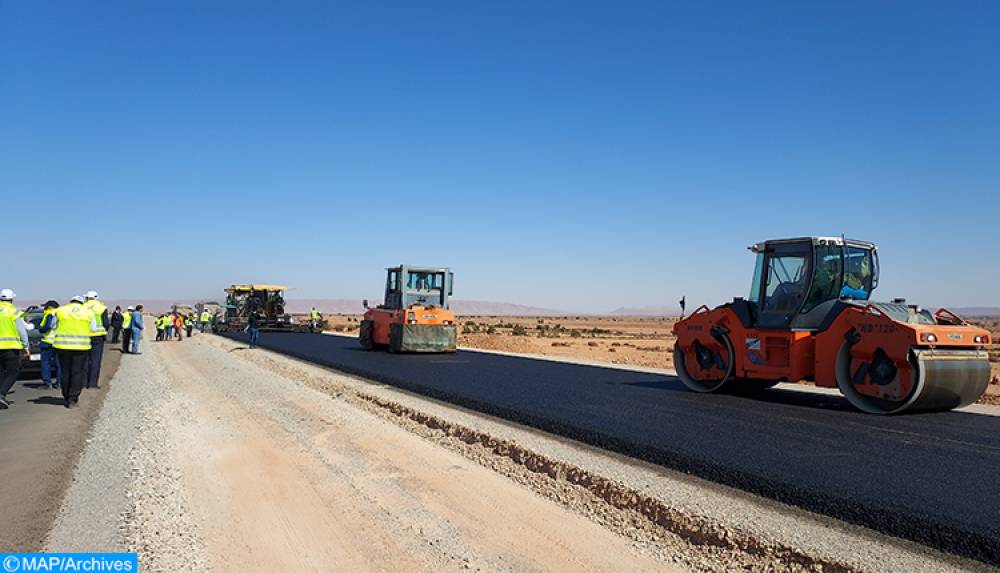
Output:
x=127 y=330
x=97 y=339
x=47 y=353
x=76 y=327
x=206 y=317
x=13 y=344
x=314 y=319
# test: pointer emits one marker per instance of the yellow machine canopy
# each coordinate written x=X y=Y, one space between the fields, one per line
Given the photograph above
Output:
x=257 y=287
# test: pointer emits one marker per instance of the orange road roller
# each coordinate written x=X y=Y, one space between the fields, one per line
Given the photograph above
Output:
x=415 y=315
x=810 y=317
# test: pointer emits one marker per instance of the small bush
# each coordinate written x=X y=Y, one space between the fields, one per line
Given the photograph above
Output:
x=593 y=344
x=519 y=330
x=491 y=330
x=575 y=333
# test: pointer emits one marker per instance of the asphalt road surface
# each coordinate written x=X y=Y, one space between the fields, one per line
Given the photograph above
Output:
x=933 y=478
x=41 y=442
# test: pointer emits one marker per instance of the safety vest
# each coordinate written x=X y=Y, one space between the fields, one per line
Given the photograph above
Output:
x=73 y=328
x=50 y=336
x=188 y=321
x=97 y=307
x=206 y=316
x=127 y=319
x=161 y=322
x=9 y=337
x=315 y=315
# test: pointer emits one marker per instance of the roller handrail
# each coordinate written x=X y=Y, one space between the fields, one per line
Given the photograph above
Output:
x=949 y=316
x=701 y=308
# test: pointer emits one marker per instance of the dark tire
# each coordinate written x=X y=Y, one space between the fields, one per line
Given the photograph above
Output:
x=706 y=386
x=869 y=404
x=396 y=338
x=365 y=335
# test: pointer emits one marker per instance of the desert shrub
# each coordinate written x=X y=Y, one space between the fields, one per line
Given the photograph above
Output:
x=575 y=333
x=563 y=344
x=612 y=350
x=491 y=329
x=615 y=344
x=519 y=330
x=593 y=344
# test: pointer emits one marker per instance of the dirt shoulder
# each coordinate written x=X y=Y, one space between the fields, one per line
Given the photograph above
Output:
x=41 y=444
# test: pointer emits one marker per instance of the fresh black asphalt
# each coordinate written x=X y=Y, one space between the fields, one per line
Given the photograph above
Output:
x=933 y=477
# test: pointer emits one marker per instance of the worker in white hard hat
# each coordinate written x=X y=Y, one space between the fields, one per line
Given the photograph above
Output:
x=75 y=326
x=127 y=330
x=13 y=344
x=100 y=311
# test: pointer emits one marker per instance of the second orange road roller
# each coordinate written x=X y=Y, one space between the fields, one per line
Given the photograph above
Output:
x=810 y=317
x=414 y=316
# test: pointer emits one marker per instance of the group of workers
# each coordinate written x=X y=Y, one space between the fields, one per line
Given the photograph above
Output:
x=72 y=343
x=171 y=326
x=74 y=334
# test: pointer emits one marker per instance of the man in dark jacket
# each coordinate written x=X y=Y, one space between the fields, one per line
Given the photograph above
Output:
x=117 y=319
x=253 y=327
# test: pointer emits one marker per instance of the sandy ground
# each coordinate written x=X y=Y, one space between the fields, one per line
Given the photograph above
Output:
x=634 y=341
x=41 y=443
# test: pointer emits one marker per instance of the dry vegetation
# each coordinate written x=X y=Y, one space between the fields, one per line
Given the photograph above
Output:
x=993 y=325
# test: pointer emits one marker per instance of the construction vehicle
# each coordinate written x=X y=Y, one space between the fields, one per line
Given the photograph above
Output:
x=267 y=301
x=809 y=317
x=415 y=316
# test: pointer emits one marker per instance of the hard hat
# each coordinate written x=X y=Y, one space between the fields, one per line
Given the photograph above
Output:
x=92 y=294
x=7 y=294
x=77 y=298
x=130 y=308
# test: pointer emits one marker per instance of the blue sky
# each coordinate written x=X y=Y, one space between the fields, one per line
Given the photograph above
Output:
x=575 y=155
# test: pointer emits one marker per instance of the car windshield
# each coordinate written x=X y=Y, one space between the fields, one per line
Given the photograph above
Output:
x=418 y=280
x=787 y=280
x=826 y=284
x=858 y=274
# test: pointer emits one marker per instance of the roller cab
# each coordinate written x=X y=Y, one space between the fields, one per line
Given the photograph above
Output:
x=415 y=316
x=809 y=317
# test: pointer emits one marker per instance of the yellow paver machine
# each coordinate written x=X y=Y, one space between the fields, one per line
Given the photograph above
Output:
x=267 y=301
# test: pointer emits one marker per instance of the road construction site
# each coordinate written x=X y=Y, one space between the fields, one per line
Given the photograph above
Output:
x=309 y=454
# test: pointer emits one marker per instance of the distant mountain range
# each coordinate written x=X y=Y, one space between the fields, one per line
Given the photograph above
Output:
x=474 y=308
x=463 y=307
x=977 y=311
x=646 y=311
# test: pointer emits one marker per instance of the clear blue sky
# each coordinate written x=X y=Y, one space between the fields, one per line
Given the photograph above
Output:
x=576 y=155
